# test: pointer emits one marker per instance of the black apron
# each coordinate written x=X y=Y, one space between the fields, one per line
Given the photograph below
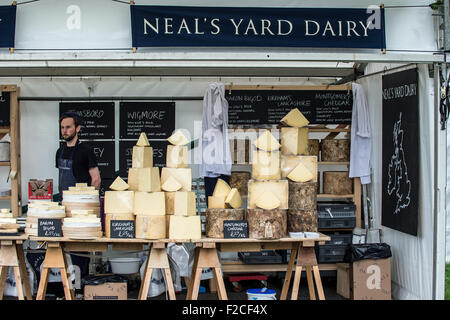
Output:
x=65 y=166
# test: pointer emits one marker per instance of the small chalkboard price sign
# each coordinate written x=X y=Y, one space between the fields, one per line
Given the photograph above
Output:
x=235 y=229
x=49 y=227
x=123 y=229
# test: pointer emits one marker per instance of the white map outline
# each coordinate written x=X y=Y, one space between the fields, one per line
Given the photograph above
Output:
x=396 y=167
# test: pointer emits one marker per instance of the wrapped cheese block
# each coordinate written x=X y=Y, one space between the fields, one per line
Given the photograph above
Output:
x=267 y=224
x=279 y=188
x=151 y=227
x=86 y=227
x=81 y=198
x=216 y=217
x=314 y=147
x=302 y=195
x=288 y=163
x=239 y=180
x=337 y=183
x=302 y=220
x=335 y=150
x=42 y=210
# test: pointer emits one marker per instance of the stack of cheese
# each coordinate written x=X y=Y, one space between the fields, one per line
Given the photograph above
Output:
x=176 y=182
x=81 y=197
x=301 y=171
x=8 y=223
x=148 y=202
x=42 y=210
x=83 y=224
x=224 y=204
x=119 y=204
x=267 y=192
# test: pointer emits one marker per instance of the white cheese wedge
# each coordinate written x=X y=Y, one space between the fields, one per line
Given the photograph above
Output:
x=234 y=199
x=171 y=185
x=119 y=185
x=143 y=140
x=295 y=119
x=267 y=142
x=182 y=175
x=222 y=189
x=280 y=188
x=178 y=139
x=267 y=200
x=300 y=174
x=216 y=202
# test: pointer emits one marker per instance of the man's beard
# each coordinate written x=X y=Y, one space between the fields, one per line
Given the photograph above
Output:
x=70 y=138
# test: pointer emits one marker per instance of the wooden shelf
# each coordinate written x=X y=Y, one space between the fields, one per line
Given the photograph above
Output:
x=329 y=130
x=336 y=196
x=239 y=266
x=5 y=198
x=334 y=162
x=4 y=130
x=5 y=164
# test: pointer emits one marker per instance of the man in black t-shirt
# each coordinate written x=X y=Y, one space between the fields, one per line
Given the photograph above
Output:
x=76 y=161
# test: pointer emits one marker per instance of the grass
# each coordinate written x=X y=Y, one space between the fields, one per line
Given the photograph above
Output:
x=447 y=281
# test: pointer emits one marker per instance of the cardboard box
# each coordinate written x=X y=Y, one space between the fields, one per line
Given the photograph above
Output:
x=372 y=279
x=40 y=189
x=106 y=291
x=343 y=280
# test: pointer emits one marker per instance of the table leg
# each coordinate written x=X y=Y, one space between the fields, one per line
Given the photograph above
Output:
x=144 y=279
x=287 y=279
x=194 y=269
x=298 y=273
x=169 y=282
x=54 y=258
x=3 y=274
x=222 y=292
x=23 y=268
x=19 y=287
x=312 y=294
x=42 y=289
x=318 y=283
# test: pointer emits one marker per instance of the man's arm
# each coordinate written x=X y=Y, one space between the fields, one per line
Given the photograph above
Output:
x=95 y=177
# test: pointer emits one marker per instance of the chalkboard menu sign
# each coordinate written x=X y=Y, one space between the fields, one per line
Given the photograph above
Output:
x=259 y=107
x=49 y=227
x=97 y=117
x=4 y=109
x=126 y=151
x=104 y=185
x=235 y=229
x=122 y=229
x=156 y=119
x=400 y=181
x=105 y=152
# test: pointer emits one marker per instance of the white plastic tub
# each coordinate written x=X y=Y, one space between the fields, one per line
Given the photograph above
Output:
x=261 y=294
x=125 y=265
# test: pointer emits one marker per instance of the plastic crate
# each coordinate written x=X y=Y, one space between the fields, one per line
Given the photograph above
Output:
x=263 y=257
x=340 y=239
x=330 y=253
x=336 y=215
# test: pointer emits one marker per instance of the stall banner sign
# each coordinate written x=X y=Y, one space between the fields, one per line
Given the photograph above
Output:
x=7 y=26
x=106 y=159
x=97 y=117
x=156 y=119
x=183 y=26
x=4 y=109
x=400 y=181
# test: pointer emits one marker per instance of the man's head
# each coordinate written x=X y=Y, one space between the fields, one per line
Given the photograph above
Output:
x=70 y=124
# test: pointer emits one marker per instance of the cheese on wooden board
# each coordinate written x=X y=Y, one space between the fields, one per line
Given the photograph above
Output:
x=300 y=174
x=78 y=192
x=279 y=188
x=234 y=199
x=171 y=185
x=81 y=188
x=81 y=184
x=221 y=189
x=92 y=219
x=181 y=203
x=177 y=156
x=267 y=200
x=142 y=157
x=151 y=227
x=6 y=215
x=112 y=217
x=295 y=119
x=149 y=203
x=267 y=142
x=144 y=179
x=5 y=210
x=216 y=202
x=266 y=165
x=178 y=139
x=119 y=201
x=288 y=163
x=181 y=227
x=143 y=140
x=182 y=175
x=119 y=185
x=294 y=141
x=81 y=212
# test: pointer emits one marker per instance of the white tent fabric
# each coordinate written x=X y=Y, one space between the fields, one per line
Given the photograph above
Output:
x=412 y=261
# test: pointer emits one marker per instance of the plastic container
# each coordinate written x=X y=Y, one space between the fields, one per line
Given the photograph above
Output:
x=261 y=294
x=125 y=265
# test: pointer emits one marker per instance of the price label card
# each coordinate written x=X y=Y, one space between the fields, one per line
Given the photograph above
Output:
x=122 y=229
x=235 y=229
x=50 y=228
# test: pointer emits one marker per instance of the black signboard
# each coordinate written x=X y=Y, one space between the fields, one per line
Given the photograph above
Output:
x=122 y=229
x=49 y=227
x=126 y=151
x=4 y=109
x=235 y=229
x=97 y=117
x=106 y=158
x=104 y=186
x=156 y=119
x=400 y=181
x=258 y=107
